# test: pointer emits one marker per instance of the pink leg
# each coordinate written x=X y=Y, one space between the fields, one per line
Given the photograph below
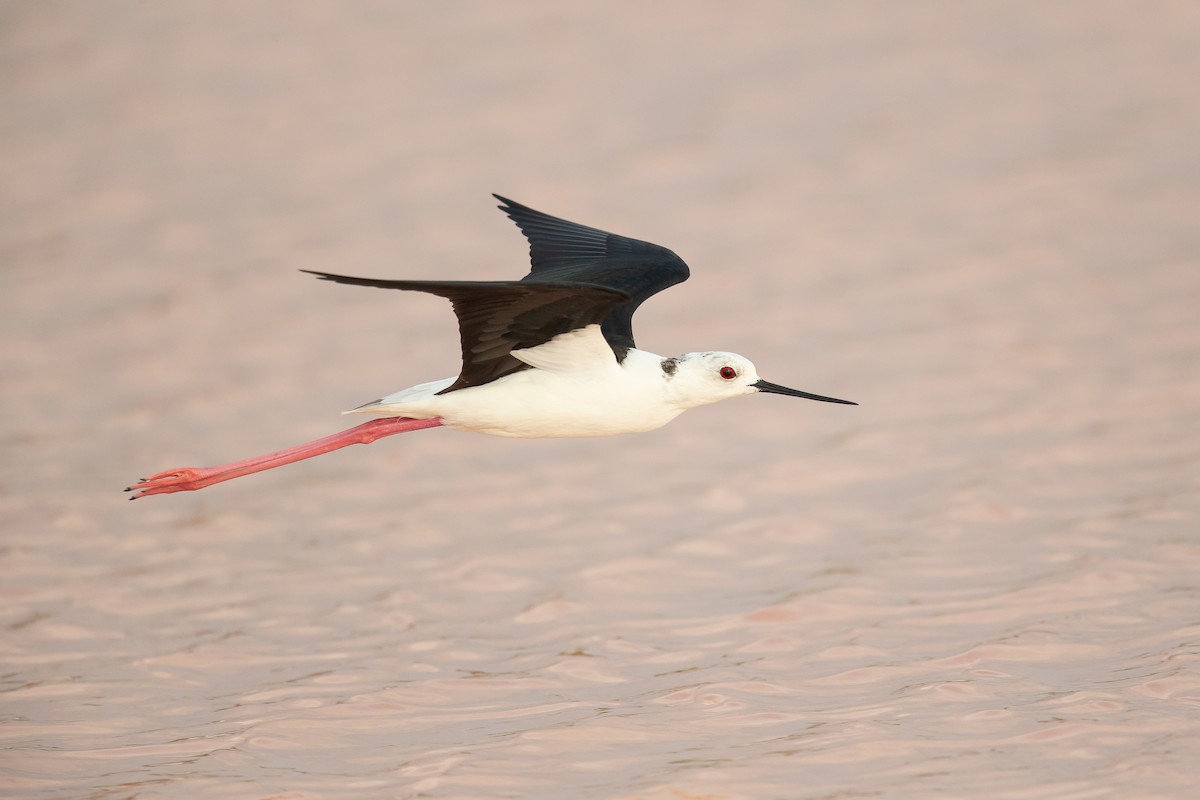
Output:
x=187 y=479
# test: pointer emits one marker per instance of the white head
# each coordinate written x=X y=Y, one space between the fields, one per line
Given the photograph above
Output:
x=696 y=379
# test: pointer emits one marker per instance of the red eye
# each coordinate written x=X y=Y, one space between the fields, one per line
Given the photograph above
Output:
x=728 y=373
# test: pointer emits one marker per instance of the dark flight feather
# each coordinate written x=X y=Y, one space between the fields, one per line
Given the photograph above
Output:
x=497 y=317
x=561 y=251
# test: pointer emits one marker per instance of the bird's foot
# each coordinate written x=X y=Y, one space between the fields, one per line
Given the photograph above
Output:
x=185 y=479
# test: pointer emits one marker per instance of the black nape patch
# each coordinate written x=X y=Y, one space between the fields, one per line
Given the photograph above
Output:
x=669 y=365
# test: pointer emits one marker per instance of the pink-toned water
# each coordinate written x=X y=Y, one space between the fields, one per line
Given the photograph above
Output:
x=979 y=221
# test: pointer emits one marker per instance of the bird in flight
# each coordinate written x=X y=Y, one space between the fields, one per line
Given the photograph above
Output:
x=550 y=355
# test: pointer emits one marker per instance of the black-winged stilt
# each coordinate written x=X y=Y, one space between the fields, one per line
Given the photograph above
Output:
x=549 y=355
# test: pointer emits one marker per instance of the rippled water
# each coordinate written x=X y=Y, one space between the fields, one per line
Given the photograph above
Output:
x=980 y=224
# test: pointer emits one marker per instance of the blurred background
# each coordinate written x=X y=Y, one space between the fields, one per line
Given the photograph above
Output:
x=977 y=220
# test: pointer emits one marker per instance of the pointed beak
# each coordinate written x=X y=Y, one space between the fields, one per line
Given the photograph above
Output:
x=775 y=388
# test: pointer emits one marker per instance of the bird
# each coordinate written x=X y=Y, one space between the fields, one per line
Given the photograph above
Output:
x=549 y=355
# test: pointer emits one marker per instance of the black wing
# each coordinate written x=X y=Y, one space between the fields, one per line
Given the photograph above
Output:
x=566 y=252
x=497 y=317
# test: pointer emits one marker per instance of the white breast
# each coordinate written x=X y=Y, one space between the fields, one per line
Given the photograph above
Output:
x=575 y=388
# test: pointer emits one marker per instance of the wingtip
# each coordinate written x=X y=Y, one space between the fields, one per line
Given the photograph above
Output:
x=322 y=276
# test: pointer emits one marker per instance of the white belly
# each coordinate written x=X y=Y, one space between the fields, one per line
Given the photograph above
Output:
x=608 y=399
x=533 y=403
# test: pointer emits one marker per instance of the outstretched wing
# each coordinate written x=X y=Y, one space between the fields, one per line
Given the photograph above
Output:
x=566 y=252
x=497 y=317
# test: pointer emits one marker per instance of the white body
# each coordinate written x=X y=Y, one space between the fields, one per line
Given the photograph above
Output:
x=577 y=388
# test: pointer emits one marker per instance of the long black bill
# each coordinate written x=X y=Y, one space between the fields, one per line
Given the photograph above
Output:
x=775 y=388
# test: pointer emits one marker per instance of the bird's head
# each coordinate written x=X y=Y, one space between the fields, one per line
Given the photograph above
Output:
x=700 y=378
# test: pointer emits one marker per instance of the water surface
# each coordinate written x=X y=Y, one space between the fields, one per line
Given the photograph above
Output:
x=979 y=223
